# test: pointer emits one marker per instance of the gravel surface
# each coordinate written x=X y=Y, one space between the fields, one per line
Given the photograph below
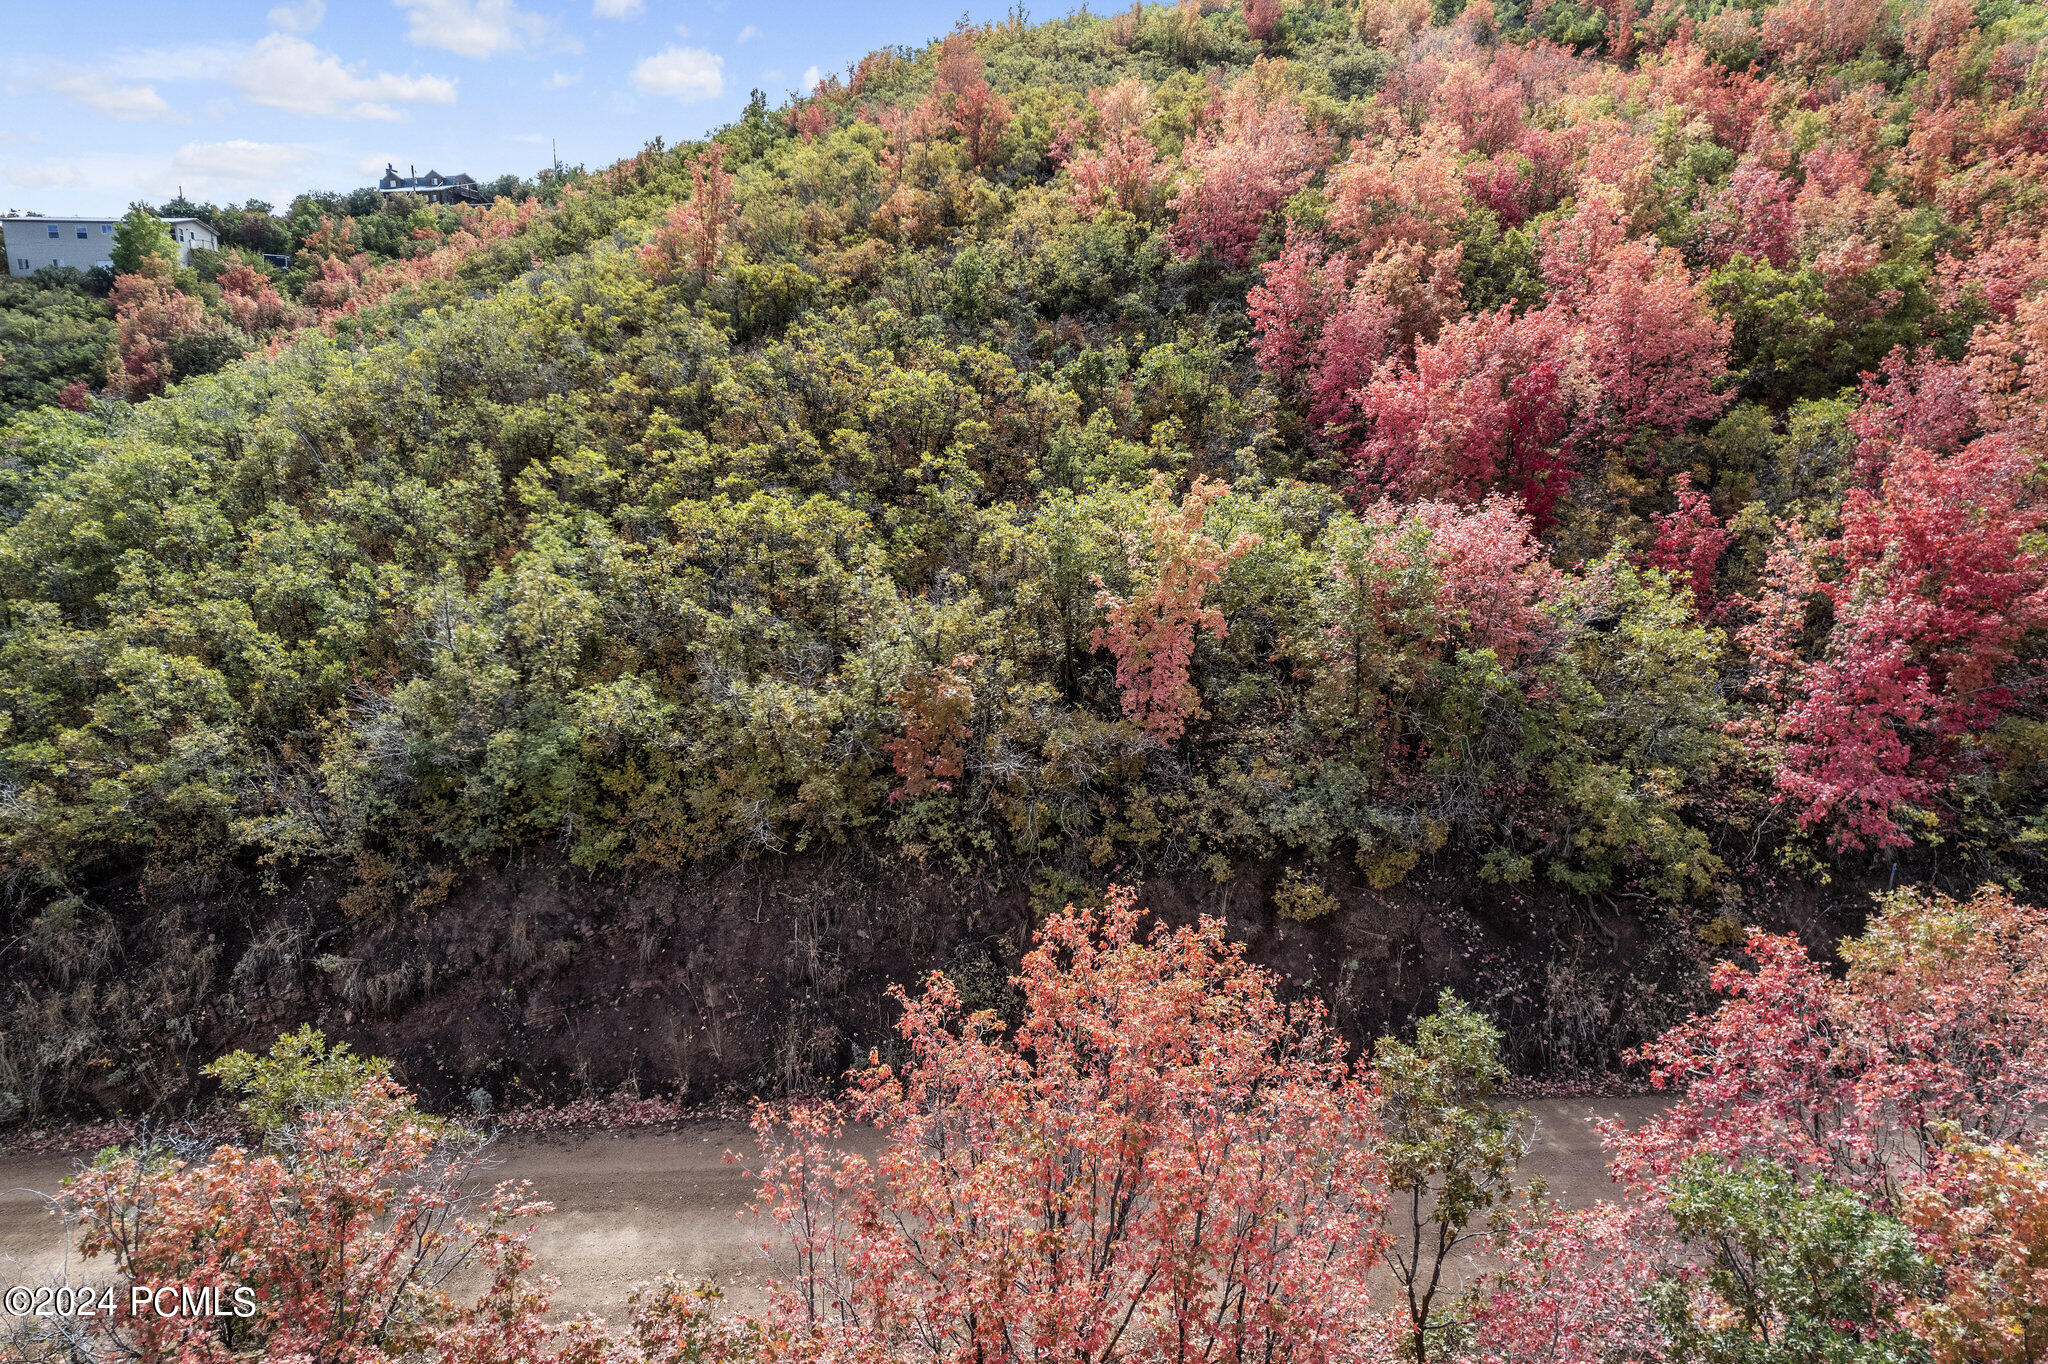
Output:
x=630 y=1204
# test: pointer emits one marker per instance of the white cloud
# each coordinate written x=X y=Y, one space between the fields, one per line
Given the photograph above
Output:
x=473 y=28
x=303 y=17
x=561 y=80
x=40 y=175
x=191 y=62
x=748 y=34
x=812 y=77
x=103 y=182
x=99 y=93
x=239 y=160
x=618 y=9
x=288 y=73
x=681 y=73
x=98 y=182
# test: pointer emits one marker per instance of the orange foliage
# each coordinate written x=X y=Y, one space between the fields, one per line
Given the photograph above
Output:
x=1152 y=634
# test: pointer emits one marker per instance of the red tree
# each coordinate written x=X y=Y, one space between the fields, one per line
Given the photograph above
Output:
x=1163 y=1162
x=1418 y=581
x=1491 y=574
x=1301 y=290
x=1320 y=339
x=1572 y=1287
x=1942 y=1018
x=1912 y=1078
x=812 y=119
x=967 y=101
x=1752 y=214
x=1405 y=189
x=344 y=1243
x=1654 y=344
x=1503 y=184
x=1934 y=589
x=1913 y=399
x=333 y=288
x=150 y=317
x=1577 y=247
x=692 y=235
x=1352 y=346
x=1126 y=169
x=1485 y=108
x=1243 y=165
x=935 y=704
x=251 y=300
x=1690 y=542
x=1488 y=405
x=1153 y=633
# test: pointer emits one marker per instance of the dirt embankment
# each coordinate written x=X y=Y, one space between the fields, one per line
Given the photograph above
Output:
x=532 y=978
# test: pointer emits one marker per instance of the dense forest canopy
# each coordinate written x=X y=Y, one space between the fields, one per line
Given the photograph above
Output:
x=1596 y=440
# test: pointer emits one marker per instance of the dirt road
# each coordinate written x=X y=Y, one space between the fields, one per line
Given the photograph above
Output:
x=630 y=1205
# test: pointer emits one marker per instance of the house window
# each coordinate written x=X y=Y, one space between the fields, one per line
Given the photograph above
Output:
x=24 y=265
x=53 y=230
x=106 y=229
x=81 y=232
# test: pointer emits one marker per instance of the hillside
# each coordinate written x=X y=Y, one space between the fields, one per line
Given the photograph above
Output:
x=1587 y=454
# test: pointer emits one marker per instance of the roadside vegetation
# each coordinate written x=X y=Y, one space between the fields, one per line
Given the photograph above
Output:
x=1153 y=1156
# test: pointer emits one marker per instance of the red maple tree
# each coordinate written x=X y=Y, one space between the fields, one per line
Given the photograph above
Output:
x=689 y=239
x=1690 y=542
x=1931 y=588
x=1941 y=1020
x=1489 y=405
x=1256 y=150
x=935 y=704
x=1152 y=633
x=345 y=1240
x=1162 y=1161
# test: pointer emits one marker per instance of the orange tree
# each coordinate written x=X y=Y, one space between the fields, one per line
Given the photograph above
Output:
x=344 y=1227
x=1163 y=1161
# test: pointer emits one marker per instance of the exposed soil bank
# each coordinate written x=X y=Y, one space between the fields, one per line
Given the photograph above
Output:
x=533 y=979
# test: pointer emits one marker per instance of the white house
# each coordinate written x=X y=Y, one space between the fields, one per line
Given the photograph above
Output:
x=34 y=244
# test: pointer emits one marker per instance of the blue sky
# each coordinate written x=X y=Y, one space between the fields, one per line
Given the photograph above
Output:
x=104 y=103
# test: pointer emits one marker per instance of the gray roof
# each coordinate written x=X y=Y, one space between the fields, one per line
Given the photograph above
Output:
x=392 y=181
x=75 y=218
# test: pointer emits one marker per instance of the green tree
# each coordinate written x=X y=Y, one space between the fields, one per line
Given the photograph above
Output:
x=1795 y=1273
x=1450 y=1154
x=301 y=1074
x=52 y=333
x=140 y=235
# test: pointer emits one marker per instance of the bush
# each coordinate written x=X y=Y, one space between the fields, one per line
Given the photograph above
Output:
x=1300 y=900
